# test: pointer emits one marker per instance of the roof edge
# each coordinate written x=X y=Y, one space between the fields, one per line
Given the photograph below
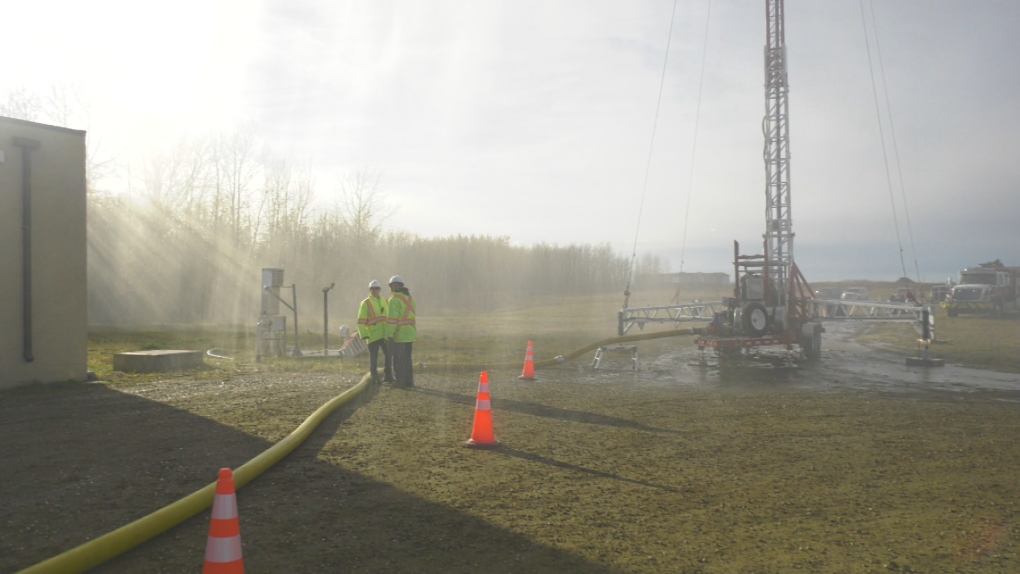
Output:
x=28 y=123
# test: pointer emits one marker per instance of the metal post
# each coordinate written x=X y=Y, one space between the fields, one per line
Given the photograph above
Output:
x=258 y=341
x=297 y=333
x=282 y=351
x=736 y=270
x=325 y=320
x=926 y=333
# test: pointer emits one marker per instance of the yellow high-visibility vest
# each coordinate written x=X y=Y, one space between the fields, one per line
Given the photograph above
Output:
x=372 y=319
x=401 y=324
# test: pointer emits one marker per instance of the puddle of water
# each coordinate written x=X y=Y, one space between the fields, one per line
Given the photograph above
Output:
x=845 y=365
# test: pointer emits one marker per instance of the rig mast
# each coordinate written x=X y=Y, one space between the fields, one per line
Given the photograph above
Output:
x=772 y=302
x=778 y=223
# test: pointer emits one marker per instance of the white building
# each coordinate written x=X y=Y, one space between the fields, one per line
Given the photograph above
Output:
x=43 y=317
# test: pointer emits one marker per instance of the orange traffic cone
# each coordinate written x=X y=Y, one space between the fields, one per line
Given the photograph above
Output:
x=529 y=365
x=482 y=435
x=223 y=551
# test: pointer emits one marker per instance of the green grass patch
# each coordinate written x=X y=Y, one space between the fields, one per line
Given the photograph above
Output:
x=556 y=325
x=978 y=341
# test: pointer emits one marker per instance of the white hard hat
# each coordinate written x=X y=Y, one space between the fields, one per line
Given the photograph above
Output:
x=374 y=284
x=396 y=279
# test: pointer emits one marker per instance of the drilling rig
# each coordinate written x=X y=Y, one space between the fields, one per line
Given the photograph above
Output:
x=769 y=304
x=772 y=303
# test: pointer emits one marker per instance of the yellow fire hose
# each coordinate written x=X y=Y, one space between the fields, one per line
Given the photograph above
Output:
x=95 y=552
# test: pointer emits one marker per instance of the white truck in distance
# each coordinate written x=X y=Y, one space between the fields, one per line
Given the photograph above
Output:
x=855 y=294
x=990 y=289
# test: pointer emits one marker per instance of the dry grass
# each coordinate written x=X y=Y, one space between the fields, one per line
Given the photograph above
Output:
x=606 y=471
x=979 y=341
x=556 y=326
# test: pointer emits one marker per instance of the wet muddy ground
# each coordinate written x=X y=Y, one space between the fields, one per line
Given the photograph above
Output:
x=854 y=464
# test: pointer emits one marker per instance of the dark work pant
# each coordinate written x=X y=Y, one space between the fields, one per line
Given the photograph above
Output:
x=403 y=365
x=388 y=363
x=373 y=359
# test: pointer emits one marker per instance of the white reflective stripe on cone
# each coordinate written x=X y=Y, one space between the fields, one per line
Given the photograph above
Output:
x=482 y=406
x=224 y=507
x=483 y=388
x=221 y=550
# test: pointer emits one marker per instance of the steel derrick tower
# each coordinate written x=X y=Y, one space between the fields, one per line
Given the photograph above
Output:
x=776 y=128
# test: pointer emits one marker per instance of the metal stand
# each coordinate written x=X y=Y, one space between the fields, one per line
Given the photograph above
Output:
x=927 y=334
x=601 y=351
x=297 y=333
x=325 y=319
x=271 y=332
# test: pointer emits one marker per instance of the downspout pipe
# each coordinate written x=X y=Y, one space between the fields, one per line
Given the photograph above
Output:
x=27 y=147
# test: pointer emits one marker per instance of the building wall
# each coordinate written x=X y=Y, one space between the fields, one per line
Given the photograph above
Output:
x=59 y=321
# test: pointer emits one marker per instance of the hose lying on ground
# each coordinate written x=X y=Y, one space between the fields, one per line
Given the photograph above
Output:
x=95 y=552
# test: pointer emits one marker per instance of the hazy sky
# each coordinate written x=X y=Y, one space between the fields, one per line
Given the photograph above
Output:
x=534 y=119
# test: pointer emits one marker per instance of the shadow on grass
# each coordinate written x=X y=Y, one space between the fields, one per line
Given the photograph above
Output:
x=553 y=462
x=533 y=409
x=77 y=465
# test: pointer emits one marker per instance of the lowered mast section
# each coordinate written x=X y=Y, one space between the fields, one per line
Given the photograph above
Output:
x=778 y=222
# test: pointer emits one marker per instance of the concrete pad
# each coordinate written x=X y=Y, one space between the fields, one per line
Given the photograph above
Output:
x=159 y=361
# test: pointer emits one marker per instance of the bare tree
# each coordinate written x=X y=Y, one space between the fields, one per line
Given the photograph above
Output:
x=362 y=206
x=22 y=104
x=65 y=104
x=221 y=206
x=161 y=179
x=242 y=169
x=287 y=196
x=649 y=265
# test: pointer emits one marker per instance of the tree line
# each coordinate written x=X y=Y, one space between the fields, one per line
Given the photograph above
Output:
x=188 y=241
x=194 y=253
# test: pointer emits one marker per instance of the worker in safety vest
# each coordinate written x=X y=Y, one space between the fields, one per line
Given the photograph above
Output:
x=401 y=331
x=373 y=327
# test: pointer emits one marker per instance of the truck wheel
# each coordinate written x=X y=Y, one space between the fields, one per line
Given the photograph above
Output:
x=755 y=319
x=998 y=311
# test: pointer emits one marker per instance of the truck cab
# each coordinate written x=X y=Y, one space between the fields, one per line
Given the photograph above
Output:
x=989 y=289
x=972 y=292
